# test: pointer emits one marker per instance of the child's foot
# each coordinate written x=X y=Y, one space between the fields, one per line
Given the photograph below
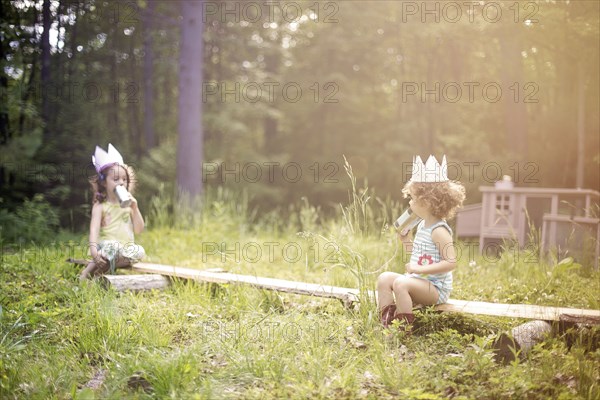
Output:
x=87 y=272
x=387 y=315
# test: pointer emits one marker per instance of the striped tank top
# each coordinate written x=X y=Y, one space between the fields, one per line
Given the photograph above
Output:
x=424 y=252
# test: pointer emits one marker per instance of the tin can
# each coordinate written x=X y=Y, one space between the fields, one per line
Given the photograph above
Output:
x=407 y=221
x=123 y=196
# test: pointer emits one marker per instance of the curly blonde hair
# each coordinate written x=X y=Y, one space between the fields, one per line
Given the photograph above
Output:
x=442 y=199
x=98 y=182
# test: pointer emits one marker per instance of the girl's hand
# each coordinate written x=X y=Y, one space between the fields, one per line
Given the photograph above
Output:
x=407 y=241
x=411 y=268
x=101 y=263
x=136 y=216
x=404 y=233
x=134 y=204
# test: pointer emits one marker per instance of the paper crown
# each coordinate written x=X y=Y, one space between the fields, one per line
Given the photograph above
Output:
x=102 y=159
x=431 y=171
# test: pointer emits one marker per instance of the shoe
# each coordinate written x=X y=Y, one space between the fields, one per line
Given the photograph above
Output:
x=406 y=320
x=387 y=315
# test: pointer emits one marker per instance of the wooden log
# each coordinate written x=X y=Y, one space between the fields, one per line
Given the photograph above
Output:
x=121 y=283
x=579 y=320
x=520 y=340
x=77 y=261
x=573 y=329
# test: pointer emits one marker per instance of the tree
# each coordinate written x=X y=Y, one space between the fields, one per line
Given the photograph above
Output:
x=190 y=146
x=149 y=16
x=47 y=21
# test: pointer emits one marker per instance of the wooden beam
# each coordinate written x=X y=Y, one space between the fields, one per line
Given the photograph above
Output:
x=310 y=289
x=350 y=295
x=528 y=311
x=77 y=261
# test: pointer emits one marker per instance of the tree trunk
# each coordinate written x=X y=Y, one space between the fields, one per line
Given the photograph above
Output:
x=46 y=21
x=132 y=103
x=579 y=179
x=27 y=92
x=113 y=116
x=4 y=121
x=515 y=111
x=73 y=46
x=189 y=148
x=270 y=127
x=270 y=124
x=148 y=16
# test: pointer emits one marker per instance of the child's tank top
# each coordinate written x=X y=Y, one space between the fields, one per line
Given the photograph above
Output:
x=116 y=223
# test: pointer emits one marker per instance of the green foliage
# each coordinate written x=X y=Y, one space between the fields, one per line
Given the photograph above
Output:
x=231 y=341
x=360 y=61
x=34 y=220
x=155 y=180
x=13 y=339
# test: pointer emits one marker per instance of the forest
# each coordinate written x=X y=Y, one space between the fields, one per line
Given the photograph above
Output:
x=288 y=90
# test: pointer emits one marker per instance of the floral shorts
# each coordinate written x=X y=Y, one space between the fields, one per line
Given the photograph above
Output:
x=112 y=250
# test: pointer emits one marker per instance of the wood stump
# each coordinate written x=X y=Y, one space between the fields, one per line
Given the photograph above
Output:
x=584 y=330
x=520 y=340
x=135 y=283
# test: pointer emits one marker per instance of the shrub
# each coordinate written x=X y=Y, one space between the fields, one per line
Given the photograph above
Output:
x=34 y=220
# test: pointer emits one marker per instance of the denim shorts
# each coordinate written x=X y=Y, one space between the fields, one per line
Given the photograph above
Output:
x=443 y=291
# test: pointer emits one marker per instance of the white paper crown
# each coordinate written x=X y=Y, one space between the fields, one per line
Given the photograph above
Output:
x=431 y=171
x=102 y=159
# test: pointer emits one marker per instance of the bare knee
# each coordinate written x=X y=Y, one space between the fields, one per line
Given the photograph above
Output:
x=401 y=284
x=386 y=279
x=123 y=262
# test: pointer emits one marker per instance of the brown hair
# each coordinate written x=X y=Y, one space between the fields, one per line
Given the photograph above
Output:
x=442 y=199
x=98 y=182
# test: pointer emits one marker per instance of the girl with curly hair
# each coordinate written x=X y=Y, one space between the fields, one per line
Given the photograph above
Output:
x=428 y=278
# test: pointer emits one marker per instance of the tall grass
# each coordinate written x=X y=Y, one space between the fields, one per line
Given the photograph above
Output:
x=205 y=341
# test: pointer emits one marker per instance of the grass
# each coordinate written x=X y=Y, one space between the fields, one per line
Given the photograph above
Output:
x=201 y=341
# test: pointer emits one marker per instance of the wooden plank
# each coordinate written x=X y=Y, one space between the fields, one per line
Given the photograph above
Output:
x=310 y=289
x=528 y=311
x=350 y=295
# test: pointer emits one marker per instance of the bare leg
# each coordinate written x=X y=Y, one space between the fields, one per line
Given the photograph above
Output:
x=123 y=262
x=94 y=269
x=385 y=294
x=411 y=291
x=120 y=261
x=88 y=271
x=385 y=297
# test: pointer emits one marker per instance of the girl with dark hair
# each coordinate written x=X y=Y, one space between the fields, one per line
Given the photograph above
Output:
x=115 y=219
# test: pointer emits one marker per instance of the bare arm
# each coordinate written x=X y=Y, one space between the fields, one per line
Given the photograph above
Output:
x=407 y=241
x=136 y=217
x=95 y=234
